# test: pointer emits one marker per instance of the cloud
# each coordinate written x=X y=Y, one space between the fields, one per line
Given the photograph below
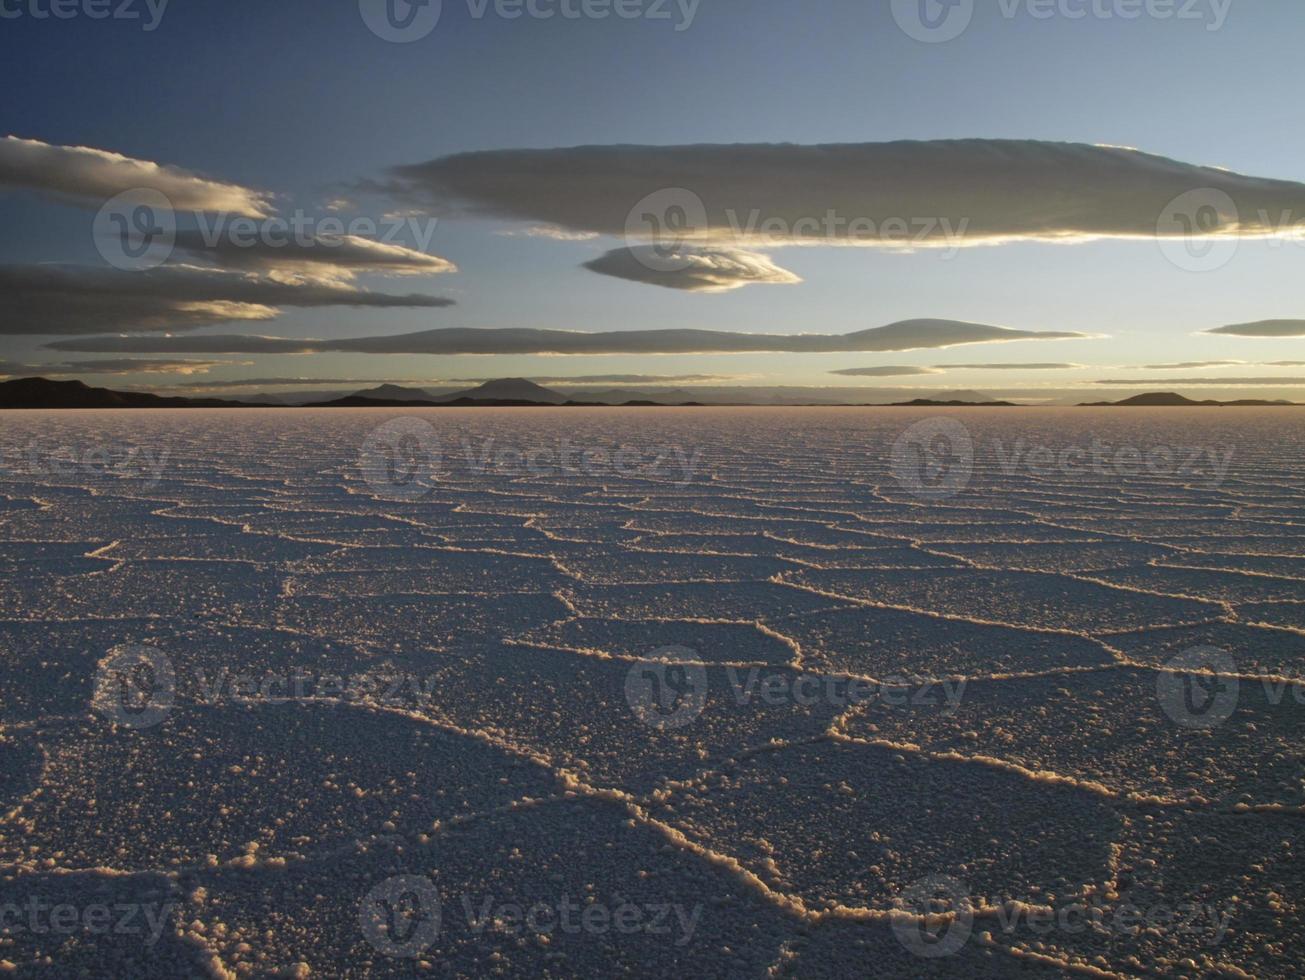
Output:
x=128 y=366
x=167 y=344
x=90 y=177
x=342 y=255
x=67 y=299
x=1284 y=363
x=905 y=193
x=1206 y=382
x=584 y=379
x=692 y=268
x=1263 y=328
x=888 y=371
x=905 y=335
x=116 y=366
x=13 y=369
x=548 y=231
x=1013 y=366
x=617 y=379
x=295 y=382
x=1186 y=365
x=884 y=371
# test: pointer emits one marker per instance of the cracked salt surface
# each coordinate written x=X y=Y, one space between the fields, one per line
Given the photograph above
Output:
x=402 y=736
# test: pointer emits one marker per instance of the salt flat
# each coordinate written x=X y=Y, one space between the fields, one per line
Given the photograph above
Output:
x=725 y=692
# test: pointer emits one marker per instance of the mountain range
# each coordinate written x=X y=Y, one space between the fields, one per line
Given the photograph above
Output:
x=1170 y=399
x=44 y=393
x=39 y=393
x=500 y=392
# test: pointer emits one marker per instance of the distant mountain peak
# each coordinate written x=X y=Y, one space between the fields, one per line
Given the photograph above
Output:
x=1159 y=398
x=395 y=393
x=45 y=384
x=951 y=403
x=962 y=396
x=41 y=393
x=1171 y=399
x=509 y=389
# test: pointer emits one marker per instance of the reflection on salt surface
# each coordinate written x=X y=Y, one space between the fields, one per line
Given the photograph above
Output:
x=1052 y=566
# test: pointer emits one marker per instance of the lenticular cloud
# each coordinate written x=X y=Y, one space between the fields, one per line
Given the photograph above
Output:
x=900 y=336
x=1263 y=328
x=906 y=193
x=74 y=299
x=692 y=268
x=90 y=176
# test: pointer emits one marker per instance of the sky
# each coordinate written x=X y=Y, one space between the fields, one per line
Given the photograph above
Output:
x=501 y=160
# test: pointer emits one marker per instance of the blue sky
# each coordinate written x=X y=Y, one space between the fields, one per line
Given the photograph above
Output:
x=300 y=99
